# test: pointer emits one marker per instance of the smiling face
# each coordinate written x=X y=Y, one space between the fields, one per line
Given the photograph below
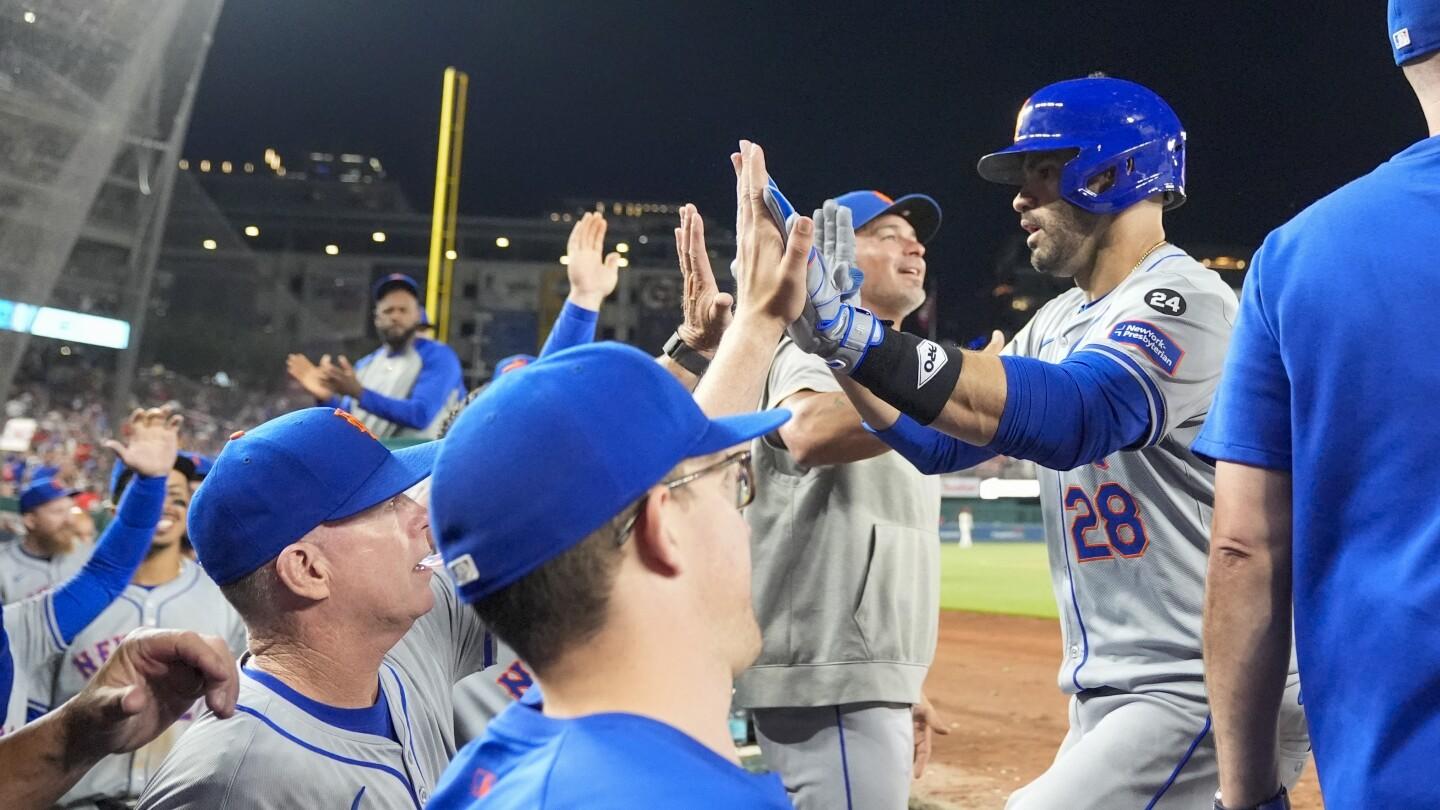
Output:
x=893 y=260
x=373 y=559
x=1063 y=239
x=177 y=507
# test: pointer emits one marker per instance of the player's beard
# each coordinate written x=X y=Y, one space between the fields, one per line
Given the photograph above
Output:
x=1069 y=240
x=398 y=339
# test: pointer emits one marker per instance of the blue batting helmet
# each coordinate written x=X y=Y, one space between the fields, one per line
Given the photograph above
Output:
x=1115 y=127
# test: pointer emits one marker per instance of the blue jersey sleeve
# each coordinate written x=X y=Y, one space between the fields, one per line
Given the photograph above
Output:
x=931 y=451
x=1064 y=415
x=440 y=376
x=7 y=674
x=1249 y=422
x=575 y=326
x=120 y=551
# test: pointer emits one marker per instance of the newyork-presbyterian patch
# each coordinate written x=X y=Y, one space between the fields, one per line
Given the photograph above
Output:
x=1152 y=341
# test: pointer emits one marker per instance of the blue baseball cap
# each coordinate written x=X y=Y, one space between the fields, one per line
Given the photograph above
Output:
x=552 y=451
x=921 y=210
x=1414 y=29
x=42 y=492
x=270 y=486
x=388 y=282
x=201 y=464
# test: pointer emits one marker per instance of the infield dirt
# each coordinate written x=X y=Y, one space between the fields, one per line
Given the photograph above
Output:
x=993 y=682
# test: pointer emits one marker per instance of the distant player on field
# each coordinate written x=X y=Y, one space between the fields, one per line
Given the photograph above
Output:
x=1105 y=387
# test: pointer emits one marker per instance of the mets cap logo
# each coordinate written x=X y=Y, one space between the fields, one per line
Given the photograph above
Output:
x=355 y=423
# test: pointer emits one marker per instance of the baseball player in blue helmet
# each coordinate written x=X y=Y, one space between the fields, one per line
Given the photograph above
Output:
x=1326 y=477
x=1104 y=389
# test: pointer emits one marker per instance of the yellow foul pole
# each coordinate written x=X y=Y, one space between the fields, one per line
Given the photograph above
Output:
x=447 y=197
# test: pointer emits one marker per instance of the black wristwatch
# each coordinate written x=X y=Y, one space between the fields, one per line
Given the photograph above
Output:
x=689 y=359
x=1280 y=801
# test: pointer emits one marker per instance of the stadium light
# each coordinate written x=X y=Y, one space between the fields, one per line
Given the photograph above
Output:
x=184 y=164
x=565 y=260
x=624 y=262
x=378 y=236
x=622 y=247
x=252 y=230
x=332 y=250
x=502 y=242
x=227 y=167
x=209 y=244
x=30 y=17
x=451 y=255
x=204 y=165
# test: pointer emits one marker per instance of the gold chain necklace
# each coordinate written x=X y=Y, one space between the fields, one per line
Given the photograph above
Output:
x=1146 y=255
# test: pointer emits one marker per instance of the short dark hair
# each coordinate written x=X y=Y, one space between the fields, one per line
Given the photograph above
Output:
x=566 y=601
x=183 y=465
x=560 y=604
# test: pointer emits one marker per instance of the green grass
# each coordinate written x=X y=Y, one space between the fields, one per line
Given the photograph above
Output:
x=1012 y=578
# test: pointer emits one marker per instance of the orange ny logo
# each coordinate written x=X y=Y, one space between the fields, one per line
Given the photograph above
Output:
x=356 y=423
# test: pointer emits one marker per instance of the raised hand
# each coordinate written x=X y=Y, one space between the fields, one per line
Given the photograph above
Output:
x=308 y=375
x=832 y=325
x=154 y=441
x=591 y=278
x=770 y=268
x=707 y=311
x=340 y=377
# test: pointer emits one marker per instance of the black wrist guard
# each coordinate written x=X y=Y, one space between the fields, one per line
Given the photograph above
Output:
x=687 y=358
x=913 y=374
x=1280 y=801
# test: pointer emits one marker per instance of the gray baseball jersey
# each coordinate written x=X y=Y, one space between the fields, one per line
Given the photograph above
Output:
x=22 y=574
x=1129 y=535
x=275 y=754
x=480 y=697
x=34 y=642
x=191 y=601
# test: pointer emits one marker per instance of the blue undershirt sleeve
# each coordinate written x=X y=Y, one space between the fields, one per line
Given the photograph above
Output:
x=120 y=551
x=931 y=451
x=439 y=376
x=1068 y=414
x=575 y=326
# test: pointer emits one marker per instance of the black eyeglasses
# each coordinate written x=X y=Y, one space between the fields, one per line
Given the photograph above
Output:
x=744 y=486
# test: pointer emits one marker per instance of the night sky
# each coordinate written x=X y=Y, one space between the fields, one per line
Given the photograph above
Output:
x=1283 y=102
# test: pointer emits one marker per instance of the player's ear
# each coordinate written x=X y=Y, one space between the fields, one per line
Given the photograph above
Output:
x=654 y=534
x=303 y=570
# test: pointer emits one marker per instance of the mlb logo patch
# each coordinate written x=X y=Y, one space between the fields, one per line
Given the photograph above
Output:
x=463 y=569
x=1402 y=38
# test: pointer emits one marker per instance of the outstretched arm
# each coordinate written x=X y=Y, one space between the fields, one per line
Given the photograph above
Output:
x=592 y=279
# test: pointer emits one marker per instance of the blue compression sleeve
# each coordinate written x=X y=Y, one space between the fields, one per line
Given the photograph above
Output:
x=1065 y=415
x=575 y=326
x=439 y=375
x=120 y=551
x=7 y=671
x=930 y=450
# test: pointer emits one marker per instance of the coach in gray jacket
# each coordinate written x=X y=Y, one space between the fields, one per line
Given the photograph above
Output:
x=845 y=550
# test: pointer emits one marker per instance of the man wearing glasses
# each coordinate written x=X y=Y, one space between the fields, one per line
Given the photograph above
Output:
x=589 y=508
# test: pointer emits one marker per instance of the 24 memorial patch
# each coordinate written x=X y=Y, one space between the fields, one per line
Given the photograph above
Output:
x=1165 y=301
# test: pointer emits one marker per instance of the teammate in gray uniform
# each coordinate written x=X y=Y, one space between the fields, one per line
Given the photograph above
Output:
x=50 y=549
x=1106 y=387
x=405 y=388
x=845 y=554
x=345 y=697
x=168 y=590
x=38 y=630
